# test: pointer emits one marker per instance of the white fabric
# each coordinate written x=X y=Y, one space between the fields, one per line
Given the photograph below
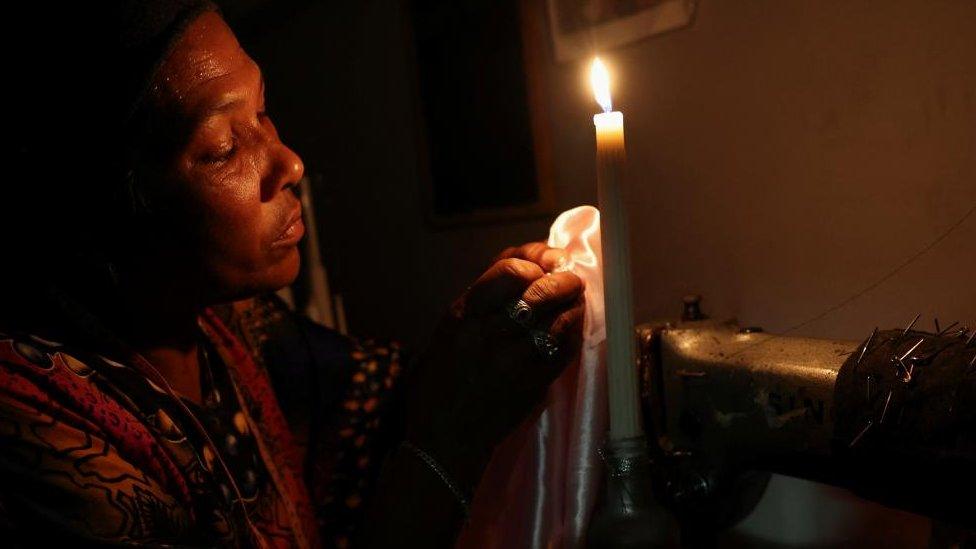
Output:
x=541 y=484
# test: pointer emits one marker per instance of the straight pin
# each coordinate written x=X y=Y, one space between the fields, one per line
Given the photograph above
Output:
x=870 y=378
x=861 y=434
x=937 y=329
x=911 y=324
x=866 y=345
x=885 y=410
x=910 y=351
x=947 y=328
x=970 y=340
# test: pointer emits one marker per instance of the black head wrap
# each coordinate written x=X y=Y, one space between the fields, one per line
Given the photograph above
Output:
x=149 y=30
x=70 y=207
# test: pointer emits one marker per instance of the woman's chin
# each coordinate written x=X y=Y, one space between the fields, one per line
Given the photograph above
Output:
x=284 y=271
x=251 y=283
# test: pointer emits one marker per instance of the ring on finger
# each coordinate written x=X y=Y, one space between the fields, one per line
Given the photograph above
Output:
x=521 y=313
x=545 y=344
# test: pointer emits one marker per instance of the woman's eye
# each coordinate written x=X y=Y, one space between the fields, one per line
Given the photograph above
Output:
x=221 y=155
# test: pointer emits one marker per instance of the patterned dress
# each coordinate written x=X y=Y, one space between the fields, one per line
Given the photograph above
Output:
x=98 y=450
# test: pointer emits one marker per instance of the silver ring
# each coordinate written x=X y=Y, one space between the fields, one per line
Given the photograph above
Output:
x=545 y=344
x=521 y=313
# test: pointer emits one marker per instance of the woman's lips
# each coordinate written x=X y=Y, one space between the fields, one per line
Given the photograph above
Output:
x=293 y=232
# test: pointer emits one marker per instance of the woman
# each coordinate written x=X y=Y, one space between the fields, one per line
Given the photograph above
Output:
x=137 y=390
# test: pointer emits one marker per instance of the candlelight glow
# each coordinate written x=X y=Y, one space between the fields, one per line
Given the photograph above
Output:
x=600 y=80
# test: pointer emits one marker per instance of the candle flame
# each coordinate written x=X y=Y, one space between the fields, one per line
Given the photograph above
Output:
x=600 y=80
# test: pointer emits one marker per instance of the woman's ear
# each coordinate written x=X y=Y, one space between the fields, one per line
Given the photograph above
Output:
x=133 y=201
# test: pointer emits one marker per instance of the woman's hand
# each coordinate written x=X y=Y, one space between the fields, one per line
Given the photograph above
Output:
x=484 y=371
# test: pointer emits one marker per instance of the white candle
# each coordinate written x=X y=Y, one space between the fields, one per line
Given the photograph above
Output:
x=621 y=342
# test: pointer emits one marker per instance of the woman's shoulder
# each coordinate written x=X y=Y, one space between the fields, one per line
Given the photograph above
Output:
x=341 y=395
x=44 y=372
x=292 y=347
x=68 y=452
x=265 y=322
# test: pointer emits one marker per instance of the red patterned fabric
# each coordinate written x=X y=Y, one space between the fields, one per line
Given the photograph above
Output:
x=280 y=449
x=99 y=450
x=47 y=383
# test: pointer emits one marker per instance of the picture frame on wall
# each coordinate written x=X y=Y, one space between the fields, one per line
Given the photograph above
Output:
x=579 y=27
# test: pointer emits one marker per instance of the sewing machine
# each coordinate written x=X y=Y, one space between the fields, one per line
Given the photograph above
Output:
x=893 y=418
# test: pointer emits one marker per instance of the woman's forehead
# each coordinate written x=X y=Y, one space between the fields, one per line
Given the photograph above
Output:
x=206 y=65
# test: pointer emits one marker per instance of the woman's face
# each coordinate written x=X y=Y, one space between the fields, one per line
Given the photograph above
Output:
x=222 y=176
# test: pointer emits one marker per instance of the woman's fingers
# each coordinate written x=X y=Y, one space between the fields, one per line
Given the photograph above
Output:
x=502 y=283
x=514 y=273
x=552 y=291
x=556 y=302
x=528 y=365
x=567 y=327
x=539 y=253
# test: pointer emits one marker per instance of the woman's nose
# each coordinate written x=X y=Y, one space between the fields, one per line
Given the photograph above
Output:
x=286 y=171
